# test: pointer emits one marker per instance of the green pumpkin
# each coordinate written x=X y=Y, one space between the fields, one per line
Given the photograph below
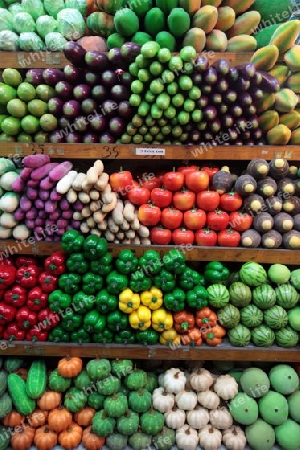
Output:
x=97 y=369
x=82 y=381
x=152 y=382
x=103 y=425
x=96 y=400
x=12 y=364
x=140 y=441
x=3 y=381
x=109 y=385
x=58 y=383
x=140 y=401
x=129 y=423
x=152 y=422
x=5 y=434
x=121 y=367
x=136 y=379
x=165 y=439
x=116 y=405
x=116 y=441
x=75 y=400
x=124 y=389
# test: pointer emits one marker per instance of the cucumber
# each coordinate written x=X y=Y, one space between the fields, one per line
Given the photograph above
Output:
x=36 y=379
x=17 y=390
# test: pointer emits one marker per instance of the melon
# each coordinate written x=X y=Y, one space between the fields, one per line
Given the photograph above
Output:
x=260 y=435
x=218 y=295
x=279 y=273
x=294 y=318
x=288 y=435
x=273 y=408
x=284 y=379
x=286 y=296
x=276 y=317
x=255 y=382
x=239 y=336
x=237 y=374
x=229 y=316
x=240 y=294
x=293 y=403
x=295 y=278
x=264 y=296
x=251 y=316
x=262 y=336
x=244 y=409
x=253 y=274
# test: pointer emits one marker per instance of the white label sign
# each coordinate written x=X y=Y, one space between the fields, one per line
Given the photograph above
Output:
x=150 y=151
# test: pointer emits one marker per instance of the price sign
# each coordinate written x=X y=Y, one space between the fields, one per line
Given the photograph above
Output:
x=146 y=151
x=34 y=350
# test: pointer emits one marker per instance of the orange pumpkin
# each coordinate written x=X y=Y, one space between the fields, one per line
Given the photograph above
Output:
x=22 y=372
x=84 y=417
x=44 y=438
x=71 y=437
x=59 y=419
x=38 y=418
x=91 y=441
x=22 y=438
x=49 y=400
x=13 y=419
x=69 y=367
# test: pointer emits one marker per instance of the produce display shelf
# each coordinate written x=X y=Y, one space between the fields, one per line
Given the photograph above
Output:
x=223 y=352
x=148 y=152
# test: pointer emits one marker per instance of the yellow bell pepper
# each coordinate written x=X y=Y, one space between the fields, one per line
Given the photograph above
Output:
x=128 y=301
x=162 y=320
x=152 y=298
x=140 y=319
x=170 y=337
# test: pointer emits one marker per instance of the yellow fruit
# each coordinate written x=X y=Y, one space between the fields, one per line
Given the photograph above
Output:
x=242 y=43
x=196 y=38
x=216 y=40
x=245 y=24
x=285 y=35
x=280 y=72
x=226 y=18
x=268 y=120
x=239 y=6
x=292 y=58
x=206 y=18
x=291 y=120
x=285 y=100
x=279 y=135
x=265 y=58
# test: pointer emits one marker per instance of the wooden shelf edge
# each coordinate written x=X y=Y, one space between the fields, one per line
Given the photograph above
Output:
x=221 y=353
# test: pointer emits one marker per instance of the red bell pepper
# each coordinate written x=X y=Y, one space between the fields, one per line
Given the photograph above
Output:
x=25 y=261
x=28 y=276
x=47 y=319
x=1 y=331
x=37 y=299
x=9 y=261
x=7 y=313
x=16 y=296
x=7 y=276
x=26 y=318
x=55 y=264
x=35 y=335
x=13 y=333
x=48 y=282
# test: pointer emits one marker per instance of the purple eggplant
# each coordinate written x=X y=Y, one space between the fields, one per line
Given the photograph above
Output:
x=207 y=89
x=125 y=78
x=98 y=123
x=108 y=108
x=129 y=51
x=64 y=122
x=257 y=79
x=230 y=96
x=55 y=106
x=254 y=121
x=235 y=110
x=64 y=90
x=222 y=66
x=194 y=136
x=32 y=193
x=242 y=84
x=53 y=76
x=222 y=108
x=210 y=76
x=215 y=126
x=32 y=214
x=216 y=98
x=202 y=102
x=210 y=113
x=90 y=138
x=92 y=78
x=107 y=138
x=73 y=138
x=64 y=204
x=245 y=99
x=73 y=74
x=233 y=134
x=246 y=70
x=197 y=79
x=246 y=134
x=39 y=222
x=34 y=76
x=256 y=93
x=201 y=64
x=256 y=134
x=75 y=53
x=55 y=215
x=249 y=142
x=89 y=106
x=116 y=126
x=30 y=224
x=209 y=137
x=222 y=85
x=241 y=123
x=249 y=110
x=269 y=83
x=56 y=137
x=227 y=121
x=71 y=109
x=233 y=75
x=125 y=109
x=119 y=93
x=109 y=78
x=81 y=91
x=116 y=59
x=96 y=60
x=99 y=93
x=80 y=124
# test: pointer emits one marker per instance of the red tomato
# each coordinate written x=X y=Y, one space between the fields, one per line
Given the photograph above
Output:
x=194 y=219
x=160 y=176
x=206 y=237
x=240 y=221
x=121 y=181
x=181 y=236
x=149 y=181
x=171 y=218
x=184 y=200
x=173 y=180
x=229 y=238
x=160 y=236
x=197 y=181
x=161 y=197
x=138 y=195
x=149 y=215
x=210 y=171
x=208 y=200
x=217 y=220
x=187 y=169
x=231 y=201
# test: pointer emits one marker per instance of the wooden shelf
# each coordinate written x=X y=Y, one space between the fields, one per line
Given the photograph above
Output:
x=220 y=353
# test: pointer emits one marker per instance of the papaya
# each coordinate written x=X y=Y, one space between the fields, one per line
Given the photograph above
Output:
x=295 y=137
x=115 y=40
x=285 y=35
x=226 y=18
x=245 y=24
x=293 y=82
x=239 y=6
x=206 y=18
x=196 y=38
x=268 y=120
x=190 y=6
x=154 y=21
x=265 y=103
x=292 y=58
x=126 y=22
x=167 y=5
x=280 y=72
x=216 y=41
x=291 y=120
x=140 y=37
x=214 y=3
x=178 y=22
x=273 y=11
x=263 y=35
x=242 y=43
x=166 y=40
x=140 y=8
x=285 y=100
x=265 y=58
x=279 y=135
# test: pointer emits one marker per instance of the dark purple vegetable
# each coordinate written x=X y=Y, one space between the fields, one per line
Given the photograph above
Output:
x=73 y=74
x=54 y=195
x=39 y=204
x=49 y=223
x=64 y=122
x=222 y=85
x=116 y=59
x=227 y=120
x=249 y=110
x=50 y=206
x=283 y=222
x=39 y=222
x=30 y=224
x=250 y=238
x=90 y=138
x=97 y=60
x=207 y=89
x=43 y=194
x=26 y=172
x=119 y=93
x=98 y=123
x=194 y=136
x=75 y=224
x=19 y=214
x=106 y=138
x=33 y=183
x=92 y=78
x=297 y=222
x=19 y=184
x=81 y=91
x=67 y=214
x=64 y=90
x=201 y=64
x=235 y=110
x=233 y=134
x=256 y=93
x=53 y=76
x=109 y=78
x=62 y=223
x=60 y=231
x=99 y=93
x=245 y=99
x=56 y=137
x=42 y=214
x=268 y=83
x=64 y=204
x=32 y=214
x=116 y=126
x=241 y=123
x=202 y=102
x=242 y=84
x=77 y=206
x=197 y=79
x=222 y=66
x=246 y=70
x=125 y=109
x=271 y=239
x=71 y=109
x=109 y=107
x=31 y=193
x=125 y=78
x=35 y=161
x=75 y=53
x=80 y=124
x=256 y=133
x=55 y=106
x=230 y=96
x=210 y=113
x=257 y=79
x=232 y=75
x=215 y=126
x=222 y=108
x=129 y=51
x=89 y=106
x=291 y=240
x=263 y=222
x=216 y=99
x=73 y=138
x=34 y=76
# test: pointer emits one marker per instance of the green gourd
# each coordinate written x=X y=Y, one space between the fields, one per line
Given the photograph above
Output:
x=82 y=381
x=109 y=385
x=116 y=441
x=121 y=367
x=96 y=400
x=136 y=380
x=17 y=390
x=140 y=401
x=124 y=389
x=152 y=382
x=75 y=400
x=102 y=425
x=116 y=405
x=165 y=439
x=152 y=422
x=12 y=364
x=5 y=405
x=129 y=423
x=140 y=441
x=3 y=381
x=5 y=434
x=97 y=369
x=100 y=23
x=36 y=379
x=58 y=383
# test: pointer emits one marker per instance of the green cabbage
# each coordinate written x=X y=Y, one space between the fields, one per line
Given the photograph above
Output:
x=55 y=42
x=53 y=7
x=6 y=20
x=70 y=24
x=9 y=2
x=2 y=4
x=45 y=25
x=23 y=22
x=80 y=5
x=31 y=42
x=15 y=8
x=34 y=8
x=9 y=41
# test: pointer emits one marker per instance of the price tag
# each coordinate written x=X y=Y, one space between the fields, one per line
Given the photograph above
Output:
x=35 y=248
x=18 y=150
x=34 y=350
x=49 y=150
x=145 y=151
x=53 y=58
x=60 y=151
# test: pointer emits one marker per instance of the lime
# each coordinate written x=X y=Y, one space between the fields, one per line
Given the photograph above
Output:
x=170 y=113
x=188 y=68
x=156 y=86
x=172 y=88
x=185 y=83
x=23 y=137
x=45 y=92
x=2 y=117
x=5 y=138
x=156 y=68
x=48 y=122
x=197 y=115
x=175 y=63
x=183 y=117
x=167 y=76
x=143 y=75
x=178 y=100
x=37 y=107
x=134 y=69
x=189 y=105
x=164 y=55
x=137 y=87
x=12 y=77
x=41 y=137
x=149 y=97
x=135 y=99
x=26 y=92
x=142 y=62
x=195 y=93
x=163 y=101
x=17 y=108
x=30 y=124
x=150 y=49
x=188 y=53
x=11 y=126
x=7 y=93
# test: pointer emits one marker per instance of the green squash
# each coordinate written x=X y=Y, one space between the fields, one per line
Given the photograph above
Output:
x=36 y=379
x=136 y=380
x=82 y=381
x=3 y=381
x=12 y=364
x=116 y=441
x=121 y=367
x=58 y=383
x=5 y=434
x=97 y=369
x=103 y=425
x=17 y=390
x=152 y=422
x=124 y=389
x=96 y=400
x=5 y=405
x=140 y=401
x=129 y=423
x=75 y=400
x=140 y=441
x=165 y=439
x=116 y=405
x=152 y=382
x=109 y=385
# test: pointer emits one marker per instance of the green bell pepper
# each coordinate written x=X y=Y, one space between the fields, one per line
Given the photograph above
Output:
x=174 y=261
x=216 y=272
x=126 y=262
x=116 y=282
x=197 y=297
x=103 y=266
x=82 y=303
x=71 y=321
x=174 y=300
x=150 y=262
x=72 y=241
x=81 y=336
x=139 y=281
x=104 y=337
x=117 y=320
x=190 y=278
x=91 y=283
x=77 y=263
x=94 y=247
x=58 y=300
x=125 y=337
x=165 y=281
x=93 y=322
x=58 y=334
x=147 y=337
x=106 y=302
x=69 y=282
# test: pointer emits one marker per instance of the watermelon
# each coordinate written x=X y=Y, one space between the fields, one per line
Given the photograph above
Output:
x=218 y=295
x=276 y=317
x=229 y=316
x=264 y=296
x=239 y=336
x=262 y=336
x=286 y=296
x=253 y=274
x=240 y=294
x=279 y=273
x=295 y=279
x=251 y=316
x=287 y=337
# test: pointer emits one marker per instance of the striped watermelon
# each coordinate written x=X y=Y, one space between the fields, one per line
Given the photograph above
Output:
x=276 y=317
x=263 y=336
x=286 y=296
x=251 y=316
x=239 y=336
x=287 y=337
x=229 y=316
x=240 y=294
x=264 y=296
x=218 y=295
x=253 y=274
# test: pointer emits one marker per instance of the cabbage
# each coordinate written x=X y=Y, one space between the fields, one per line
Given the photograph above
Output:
x=23 y=22
x=71 y=24
x=45 y=25
x=31 y=42
x=34 y=8
x=2 y=4
x=9 y=41
x=55 y=42
x=9 y=2
x=80 y=5
x=15 y=8
x=6 y=20
x=53 y=7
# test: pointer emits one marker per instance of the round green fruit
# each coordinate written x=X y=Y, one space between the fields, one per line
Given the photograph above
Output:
x=251 y=316
x=294 y=318
x=260 y=435
x=11 y=77
x=244 y=409
x=293 y=403
x=288 y=435
x=255 y=382
x=273 y=408
x=253 y=274
x=264 y=296
x=17 y=108
x=279 y=273
x=284 y=379
x=7 y=93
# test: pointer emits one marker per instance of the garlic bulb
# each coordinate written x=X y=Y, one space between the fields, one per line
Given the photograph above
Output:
x=186 y=400
x=234 y=438
x=162 y=400
x=220 y=418
x=210 y=438
x=198 y=418
x=208 y=399
x=186 y=438
x=226 y=387
x=174 y=381
x=201 y=380
x=175 y=418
